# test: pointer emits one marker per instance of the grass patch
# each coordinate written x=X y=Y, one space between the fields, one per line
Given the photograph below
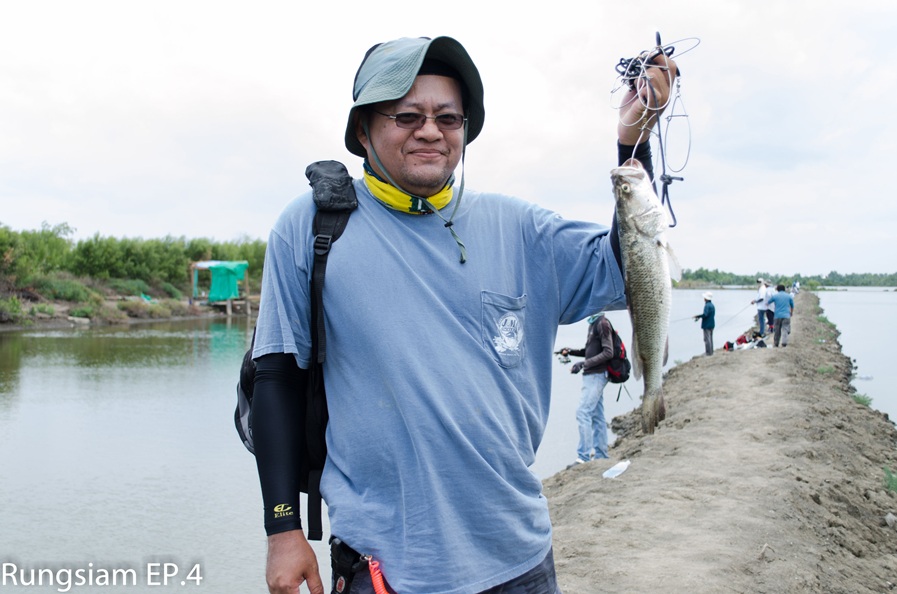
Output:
x=177 y=308
x=135 y=287
x=890 y=480
x=42 y=308
x=63 y=289
x=825 y=369
x=862 y=399
x=86 y=311
x=144 y=310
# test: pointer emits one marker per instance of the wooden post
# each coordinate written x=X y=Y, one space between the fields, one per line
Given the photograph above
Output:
x=246 y=296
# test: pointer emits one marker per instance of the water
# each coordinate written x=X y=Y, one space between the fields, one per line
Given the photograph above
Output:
x=117 y=445
x=866 y=317
x=117 y=448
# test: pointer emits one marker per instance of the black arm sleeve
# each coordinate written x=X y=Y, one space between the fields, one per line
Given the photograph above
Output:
x=278 y=430
x=641 y=152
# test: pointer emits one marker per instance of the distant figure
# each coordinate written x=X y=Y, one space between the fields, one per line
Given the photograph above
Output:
x=760 y=301
x=590 y=414
x=708 y=322
x=795 y=287
x=783 y=303
x=770 y=319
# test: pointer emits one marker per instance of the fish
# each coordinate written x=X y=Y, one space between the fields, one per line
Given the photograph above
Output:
x=649 y=266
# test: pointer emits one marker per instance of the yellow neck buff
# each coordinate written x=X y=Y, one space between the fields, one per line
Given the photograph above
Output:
x=396 y=199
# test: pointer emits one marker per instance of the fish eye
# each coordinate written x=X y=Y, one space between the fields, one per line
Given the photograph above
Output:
x=625 y=188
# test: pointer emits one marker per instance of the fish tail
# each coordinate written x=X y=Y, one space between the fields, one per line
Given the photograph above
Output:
x=653 y=410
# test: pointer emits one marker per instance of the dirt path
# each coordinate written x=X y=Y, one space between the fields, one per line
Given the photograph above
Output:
x=766 y=476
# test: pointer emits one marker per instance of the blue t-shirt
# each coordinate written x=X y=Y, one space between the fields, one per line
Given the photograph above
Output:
x=438 y=375
x=783 y=303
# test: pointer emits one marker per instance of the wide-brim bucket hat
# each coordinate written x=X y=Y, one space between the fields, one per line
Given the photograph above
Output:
x=388 y=72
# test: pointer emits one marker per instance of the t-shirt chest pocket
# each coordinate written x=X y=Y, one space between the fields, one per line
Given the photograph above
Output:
x=503 y=327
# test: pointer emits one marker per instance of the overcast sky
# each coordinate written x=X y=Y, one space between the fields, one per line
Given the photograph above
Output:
x=198 y=118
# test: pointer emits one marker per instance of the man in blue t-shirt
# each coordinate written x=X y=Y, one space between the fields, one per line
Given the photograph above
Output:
x=440 y=316
x=708 y=322
x=783 y=303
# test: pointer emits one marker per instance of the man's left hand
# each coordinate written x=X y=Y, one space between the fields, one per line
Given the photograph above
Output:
x=577 y=367
x=642 y=106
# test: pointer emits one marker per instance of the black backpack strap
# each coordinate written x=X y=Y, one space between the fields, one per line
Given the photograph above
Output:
x=334 y=195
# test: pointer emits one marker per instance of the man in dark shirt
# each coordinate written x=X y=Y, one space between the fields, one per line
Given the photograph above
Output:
x=590 y=414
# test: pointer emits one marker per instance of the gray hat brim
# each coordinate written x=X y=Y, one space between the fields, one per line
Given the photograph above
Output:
x=388 y=72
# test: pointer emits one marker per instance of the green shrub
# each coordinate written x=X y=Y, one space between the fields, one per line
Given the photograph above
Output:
x=890 y=480
x=111 y=315
x=10 y=310
x=134 y=308
x=172 y=291
x=26 y=253
x=862 y=399
x=825 y=369
x=158 y=311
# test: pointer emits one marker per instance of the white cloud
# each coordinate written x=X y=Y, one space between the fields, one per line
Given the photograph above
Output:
x=198 y=118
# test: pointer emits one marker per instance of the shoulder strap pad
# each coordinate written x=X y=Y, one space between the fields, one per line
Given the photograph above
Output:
x=332 y=186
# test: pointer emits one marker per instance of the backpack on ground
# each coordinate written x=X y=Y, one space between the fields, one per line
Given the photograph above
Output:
x=335 y=199
x=618 y=367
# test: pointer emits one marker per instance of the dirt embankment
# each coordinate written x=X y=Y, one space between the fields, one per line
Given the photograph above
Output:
x=766 y=476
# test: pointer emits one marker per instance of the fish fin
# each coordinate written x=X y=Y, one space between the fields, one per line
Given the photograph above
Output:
x=652 y=405
x=672 y=260
x=635 y=359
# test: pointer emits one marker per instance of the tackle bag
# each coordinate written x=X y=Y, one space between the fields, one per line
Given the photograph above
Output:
x=618 y=367
x=335 y=199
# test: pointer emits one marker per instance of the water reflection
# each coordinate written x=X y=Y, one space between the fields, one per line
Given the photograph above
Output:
x=11 y=352
x=165 y=344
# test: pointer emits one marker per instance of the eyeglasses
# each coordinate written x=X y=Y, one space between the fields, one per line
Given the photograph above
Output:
x=416 y=121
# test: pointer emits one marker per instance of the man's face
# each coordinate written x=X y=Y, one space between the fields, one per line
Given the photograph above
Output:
x=422 y=160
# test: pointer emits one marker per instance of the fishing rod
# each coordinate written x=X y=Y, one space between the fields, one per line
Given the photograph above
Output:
x=682 y=319
x=736 y=315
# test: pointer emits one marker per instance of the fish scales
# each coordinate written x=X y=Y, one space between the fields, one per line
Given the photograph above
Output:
x=649 y=264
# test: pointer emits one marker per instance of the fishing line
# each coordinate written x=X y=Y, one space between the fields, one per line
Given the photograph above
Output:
x=633 y=74
x=736 y=315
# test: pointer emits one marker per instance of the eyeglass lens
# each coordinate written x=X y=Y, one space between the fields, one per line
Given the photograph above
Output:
x=415 y=121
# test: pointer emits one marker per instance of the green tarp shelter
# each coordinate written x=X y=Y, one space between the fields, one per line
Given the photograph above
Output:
x=225 y=275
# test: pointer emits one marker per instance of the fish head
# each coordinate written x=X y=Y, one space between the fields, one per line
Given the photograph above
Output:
x=635 y=197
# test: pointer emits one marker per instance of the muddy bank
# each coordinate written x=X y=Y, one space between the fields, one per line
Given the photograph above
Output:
x=766 y=476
